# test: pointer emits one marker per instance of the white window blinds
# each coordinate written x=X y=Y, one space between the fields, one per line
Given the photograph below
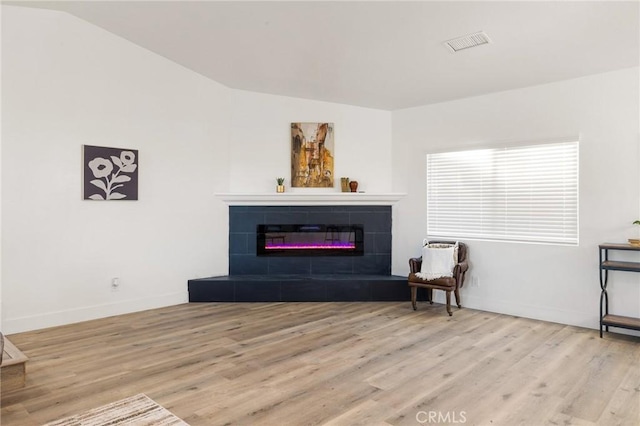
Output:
x=526 y=193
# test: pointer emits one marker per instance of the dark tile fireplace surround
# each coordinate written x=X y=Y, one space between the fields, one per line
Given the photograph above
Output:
x=254 y=278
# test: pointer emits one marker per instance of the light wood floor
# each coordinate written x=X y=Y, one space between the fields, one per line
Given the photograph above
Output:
x=332 y=364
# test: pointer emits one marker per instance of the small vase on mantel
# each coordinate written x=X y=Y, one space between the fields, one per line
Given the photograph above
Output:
x=280 y=187
x=353 y=185
x=344 y=184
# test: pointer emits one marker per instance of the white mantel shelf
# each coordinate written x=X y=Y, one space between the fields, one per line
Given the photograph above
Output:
x=311 y=199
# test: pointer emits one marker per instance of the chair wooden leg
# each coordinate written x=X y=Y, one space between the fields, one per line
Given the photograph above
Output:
x=457 y=294
x=430 y=295
x=414 y=296
x=449 y=303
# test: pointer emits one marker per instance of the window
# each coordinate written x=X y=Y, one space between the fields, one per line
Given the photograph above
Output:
x=524 y=193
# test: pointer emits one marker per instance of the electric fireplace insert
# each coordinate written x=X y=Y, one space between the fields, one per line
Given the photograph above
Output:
x=310 y=240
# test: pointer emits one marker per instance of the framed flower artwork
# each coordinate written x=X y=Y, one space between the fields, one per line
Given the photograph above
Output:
x=110 y=173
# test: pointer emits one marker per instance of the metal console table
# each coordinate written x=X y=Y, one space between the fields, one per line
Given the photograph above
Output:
x=607 y=320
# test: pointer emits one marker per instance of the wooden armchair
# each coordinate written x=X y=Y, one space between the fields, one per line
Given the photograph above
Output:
x=447 y=284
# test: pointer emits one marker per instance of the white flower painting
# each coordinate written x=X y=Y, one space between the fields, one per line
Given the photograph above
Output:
x=110 y=173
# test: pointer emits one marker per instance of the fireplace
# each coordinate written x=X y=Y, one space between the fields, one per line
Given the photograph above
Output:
x=319 y=273
x=310 y=240
x=374 y=221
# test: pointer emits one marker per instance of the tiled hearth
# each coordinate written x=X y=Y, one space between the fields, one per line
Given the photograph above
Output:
x=305 y=278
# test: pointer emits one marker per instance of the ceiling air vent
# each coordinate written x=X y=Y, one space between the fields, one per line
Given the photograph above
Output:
x=465 y=42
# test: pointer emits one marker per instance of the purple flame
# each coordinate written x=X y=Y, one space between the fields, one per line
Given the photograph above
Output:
x=341 y=246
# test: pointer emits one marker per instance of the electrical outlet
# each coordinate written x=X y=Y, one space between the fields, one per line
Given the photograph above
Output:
x=115 y=284
x=475 y=281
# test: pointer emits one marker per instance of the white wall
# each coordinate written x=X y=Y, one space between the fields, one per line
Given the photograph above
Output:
x=260 y=138
x=555 y=283
x=1 y=316
x=67 y=83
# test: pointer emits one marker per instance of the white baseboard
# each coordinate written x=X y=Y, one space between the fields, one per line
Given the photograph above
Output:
x=561 y=316
x=52 y=319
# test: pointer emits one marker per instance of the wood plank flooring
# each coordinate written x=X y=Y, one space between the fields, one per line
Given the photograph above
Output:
x=331 y=364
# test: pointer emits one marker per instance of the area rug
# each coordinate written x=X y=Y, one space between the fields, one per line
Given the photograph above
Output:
x=139 y=410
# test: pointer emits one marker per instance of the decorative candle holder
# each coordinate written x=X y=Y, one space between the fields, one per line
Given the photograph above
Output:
x=344 y=184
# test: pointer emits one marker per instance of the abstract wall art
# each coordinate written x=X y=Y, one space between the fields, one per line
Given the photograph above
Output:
x=312 y=155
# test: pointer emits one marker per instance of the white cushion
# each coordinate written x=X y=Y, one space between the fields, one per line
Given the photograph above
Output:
x=437 y=262
x=455 y=246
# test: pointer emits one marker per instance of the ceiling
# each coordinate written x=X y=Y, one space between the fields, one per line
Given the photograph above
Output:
x=385 y=55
